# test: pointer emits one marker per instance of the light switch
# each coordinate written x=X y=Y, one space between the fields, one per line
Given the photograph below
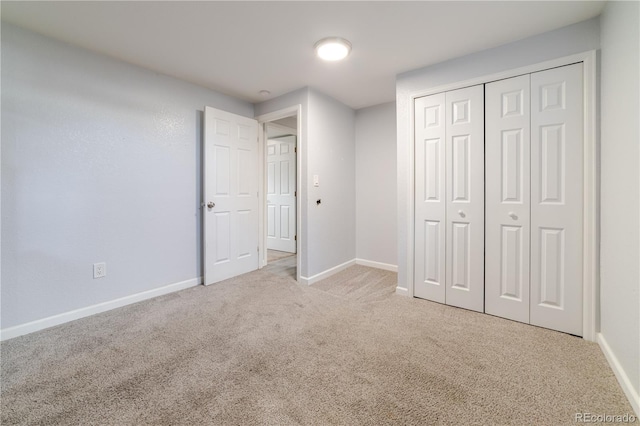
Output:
x=316 y=180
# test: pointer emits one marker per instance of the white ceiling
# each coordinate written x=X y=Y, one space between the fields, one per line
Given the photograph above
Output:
x=240 y=48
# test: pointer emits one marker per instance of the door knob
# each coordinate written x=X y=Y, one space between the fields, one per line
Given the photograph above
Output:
x=513 y=216
x=461 y=213
x=211 y=204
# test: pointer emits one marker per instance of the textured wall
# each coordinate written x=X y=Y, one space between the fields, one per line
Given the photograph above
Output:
x=330 y=155
x=376 y=184
x=620 y=187
x=100 y=163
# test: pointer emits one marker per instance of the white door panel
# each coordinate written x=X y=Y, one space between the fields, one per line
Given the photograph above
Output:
x=271 y=221
x=281 y=194
x=231 y=184
x=465 y=198
x=507 y=198
x=557 y=198
x=430 y=198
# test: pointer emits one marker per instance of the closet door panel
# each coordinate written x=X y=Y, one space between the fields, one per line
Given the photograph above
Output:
x=557 y=198
x=507 y=113
x=430 y=199
x=465 y=198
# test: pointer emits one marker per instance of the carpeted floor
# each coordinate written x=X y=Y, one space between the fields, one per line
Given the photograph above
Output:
x=275 y=255
x=261 y=349
x=285 y=267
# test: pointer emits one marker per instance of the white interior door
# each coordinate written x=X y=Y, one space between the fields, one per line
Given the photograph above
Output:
x=557 y=198
x=281 y=194
x=230 y=190
x=430 y=198
x=465 y=198
x=507 y=198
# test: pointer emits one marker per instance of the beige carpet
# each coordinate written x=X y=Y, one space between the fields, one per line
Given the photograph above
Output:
x=261 y=349
x=284 y=267
x=275 y=255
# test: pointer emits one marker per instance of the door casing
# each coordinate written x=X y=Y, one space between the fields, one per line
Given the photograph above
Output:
x=295 y=110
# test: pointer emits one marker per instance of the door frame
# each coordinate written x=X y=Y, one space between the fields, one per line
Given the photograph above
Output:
x=591 y=298
x=263 y=120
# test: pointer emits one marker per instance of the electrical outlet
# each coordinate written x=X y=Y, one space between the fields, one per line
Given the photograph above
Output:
x=99 y=270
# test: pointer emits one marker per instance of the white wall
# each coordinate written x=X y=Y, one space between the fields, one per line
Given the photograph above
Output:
x=100 y=162
x=575 y=38
x=376 y=188
x=328 y=150
x=330 y=154
x=620 y=188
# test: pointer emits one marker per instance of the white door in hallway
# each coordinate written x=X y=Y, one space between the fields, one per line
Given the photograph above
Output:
x=281 y=194
x=508 y=200
x=230 y=195
x=557 y=198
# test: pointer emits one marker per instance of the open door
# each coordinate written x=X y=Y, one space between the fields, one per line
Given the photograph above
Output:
x=230 y=195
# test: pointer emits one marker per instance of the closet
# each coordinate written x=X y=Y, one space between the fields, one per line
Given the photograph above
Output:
x=499 y=198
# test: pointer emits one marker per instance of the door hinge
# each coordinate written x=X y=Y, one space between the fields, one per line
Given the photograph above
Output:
x=295 y=238
x=295 y=193
x=258 y=249
x=295 y=149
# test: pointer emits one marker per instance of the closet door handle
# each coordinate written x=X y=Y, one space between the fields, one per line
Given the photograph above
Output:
x=513 y=216
x=461 y=213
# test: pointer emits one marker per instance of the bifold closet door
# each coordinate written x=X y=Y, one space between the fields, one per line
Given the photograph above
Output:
x=430 y=198
x=534 y=198
x=449 y=198
x=557 y=198
x=465 y=198
x=508 y=204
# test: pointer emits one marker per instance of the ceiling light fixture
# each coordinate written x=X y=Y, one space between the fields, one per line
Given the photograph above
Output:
x=333 y=48
x=264 y=93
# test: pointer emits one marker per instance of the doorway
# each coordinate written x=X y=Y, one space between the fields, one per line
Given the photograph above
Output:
x=280 y=203
x=281 y=194
x=281 y=188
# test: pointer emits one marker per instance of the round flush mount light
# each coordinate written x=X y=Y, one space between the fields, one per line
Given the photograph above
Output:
x=333 y=48
x=264 y=93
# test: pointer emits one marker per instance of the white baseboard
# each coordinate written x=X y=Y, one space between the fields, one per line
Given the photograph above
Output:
x=632 y=394
x=402 y=291
x=41 y=324
x=378 y=265
x=325 y=274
